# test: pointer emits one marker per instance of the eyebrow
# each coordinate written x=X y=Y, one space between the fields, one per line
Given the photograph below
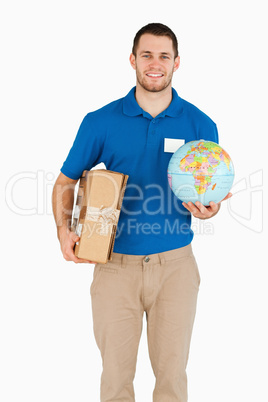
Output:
x=148 y=52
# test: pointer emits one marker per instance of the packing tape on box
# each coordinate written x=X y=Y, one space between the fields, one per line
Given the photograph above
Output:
x=105 y=216
x=77 y=210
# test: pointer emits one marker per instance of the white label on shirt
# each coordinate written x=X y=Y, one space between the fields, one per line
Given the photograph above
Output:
x=172 y=144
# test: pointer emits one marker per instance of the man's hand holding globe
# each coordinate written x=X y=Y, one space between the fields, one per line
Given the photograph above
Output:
x=199 y=210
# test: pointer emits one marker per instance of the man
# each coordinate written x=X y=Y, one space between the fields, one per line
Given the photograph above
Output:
x=153 y=269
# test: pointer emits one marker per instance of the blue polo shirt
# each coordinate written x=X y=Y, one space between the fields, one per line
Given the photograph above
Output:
x=129 y=140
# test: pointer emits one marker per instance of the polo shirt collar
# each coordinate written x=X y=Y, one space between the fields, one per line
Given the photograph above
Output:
x=132 y=108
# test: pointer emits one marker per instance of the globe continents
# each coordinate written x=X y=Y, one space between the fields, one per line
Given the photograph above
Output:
x=200 y=171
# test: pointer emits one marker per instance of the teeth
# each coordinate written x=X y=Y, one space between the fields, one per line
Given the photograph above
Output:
x=155 y=75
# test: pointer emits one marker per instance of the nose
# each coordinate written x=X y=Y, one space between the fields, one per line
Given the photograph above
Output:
x=154 y=62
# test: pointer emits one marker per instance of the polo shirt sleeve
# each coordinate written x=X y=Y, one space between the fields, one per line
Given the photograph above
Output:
x=210 y=132
x=86 y=151
x=215 y=133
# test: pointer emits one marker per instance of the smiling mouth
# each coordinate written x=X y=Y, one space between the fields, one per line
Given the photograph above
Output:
x=155 y=75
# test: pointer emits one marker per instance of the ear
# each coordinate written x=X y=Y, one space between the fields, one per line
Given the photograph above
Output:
x=132 y=60
x=176 y=63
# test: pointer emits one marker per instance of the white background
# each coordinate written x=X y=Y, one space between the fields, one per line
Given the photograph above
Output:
x=62 y=59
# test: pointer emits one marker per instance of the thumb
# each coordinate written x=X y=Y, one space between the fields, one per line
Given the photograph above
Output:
x=74 y=236
x=229 y=195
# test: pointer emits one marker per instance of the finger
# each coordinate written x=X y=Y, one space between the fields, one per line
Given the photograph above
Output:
x=194 y=210
x=69 y=255
x=186 y=206
x=191 y=207
x=204 y=211
x=214 y=207
x=74 y=237
x=80 y=260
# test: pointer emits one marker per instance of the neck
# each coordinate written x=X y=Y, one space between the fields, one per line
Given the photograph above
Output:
x=153 y=102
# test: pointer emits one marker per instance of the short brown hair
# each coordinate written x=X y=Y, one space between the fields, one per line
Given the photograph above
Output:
x=156 y=29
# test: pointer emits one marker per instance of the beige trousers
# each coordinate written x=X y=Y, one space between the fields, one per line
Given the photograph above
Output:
x=164 y=286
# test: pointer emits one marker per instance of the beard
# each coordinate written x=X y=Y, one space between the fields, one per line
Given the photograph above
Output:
x=153 y=86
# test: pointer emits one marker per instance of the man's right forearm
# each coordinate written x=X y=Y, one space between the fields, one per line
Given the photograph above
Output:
x=62 y=203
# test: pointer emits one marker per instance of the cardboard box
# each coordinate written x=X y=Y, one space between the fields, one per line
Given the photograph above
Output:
x=96 y=213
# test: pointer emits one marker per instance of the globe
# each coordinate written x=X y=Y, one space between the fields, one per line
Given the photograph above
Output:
x=200 y=171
